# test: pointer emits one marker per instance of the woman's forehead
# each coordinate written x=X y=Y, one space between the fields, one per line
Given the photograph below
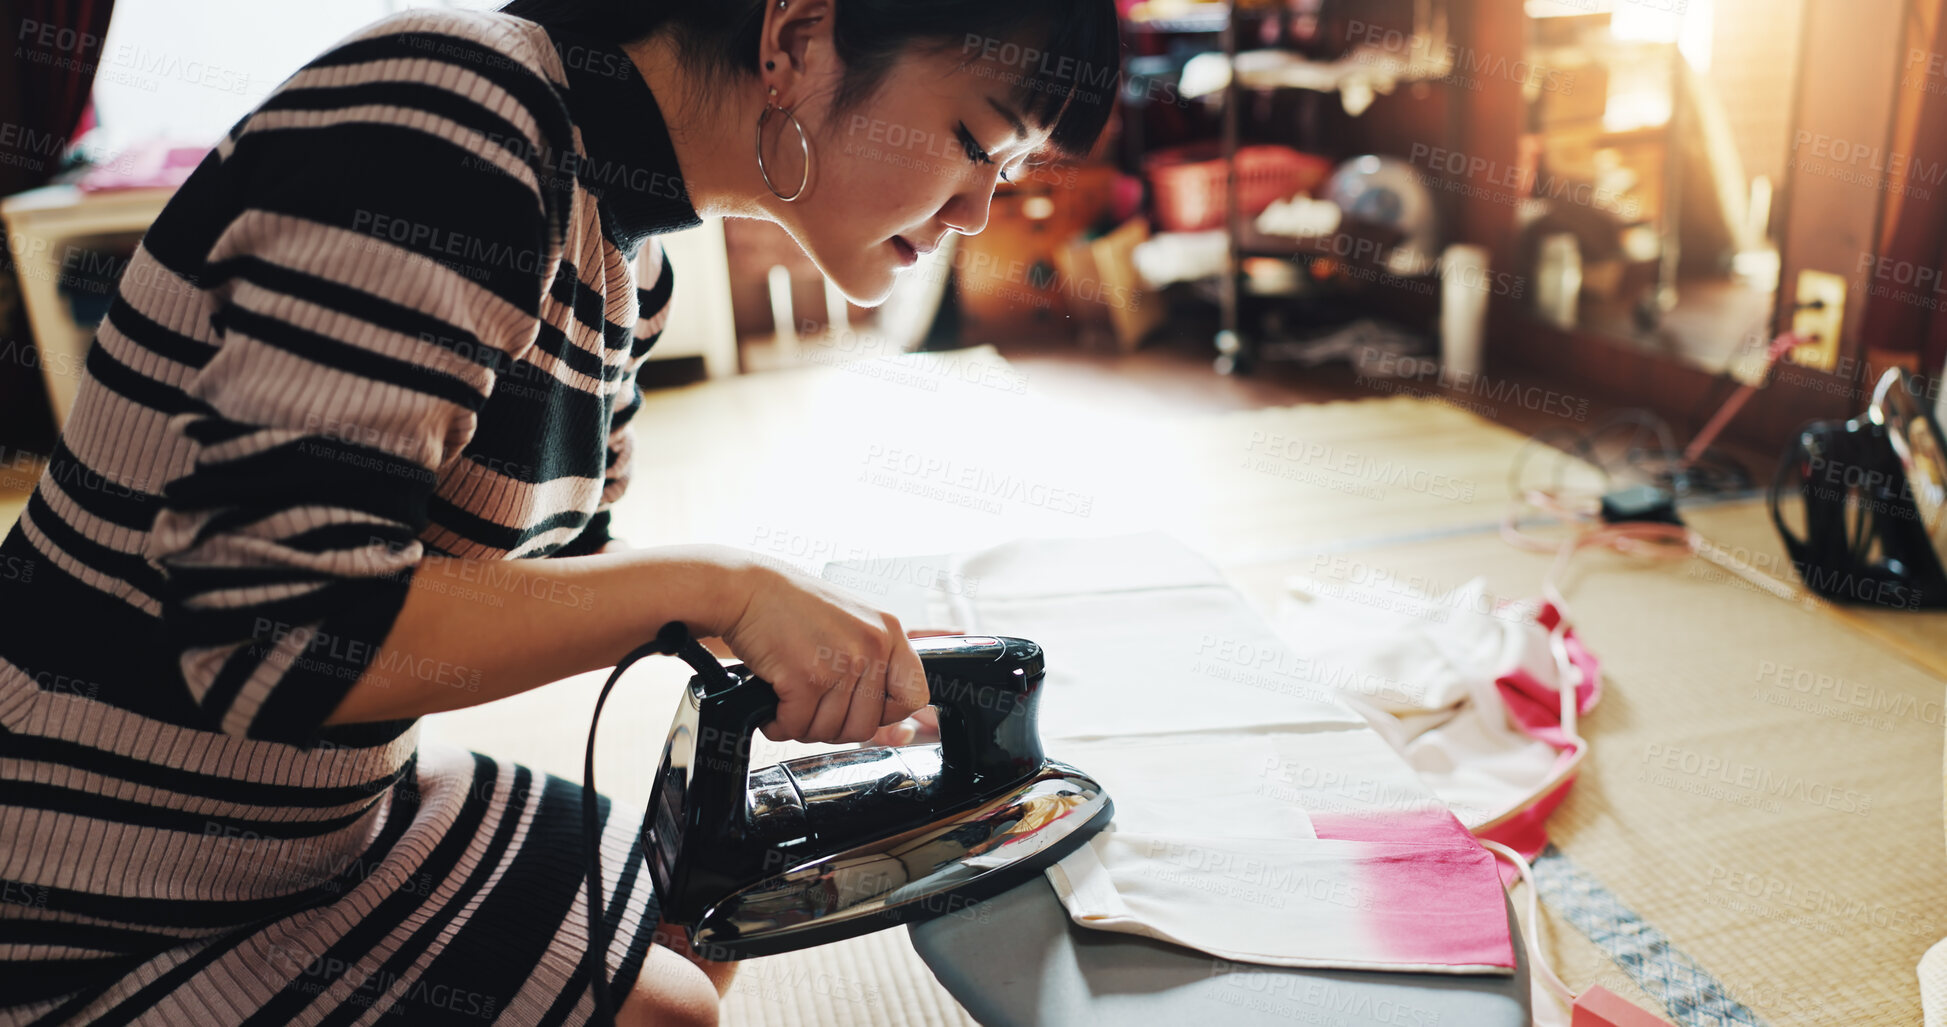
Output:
x=981 y=88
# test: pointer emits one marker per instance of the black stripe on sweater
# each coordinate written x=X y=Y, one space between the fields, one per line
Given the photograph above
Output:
x=123 y=504
x=332 y=538
x=111 y=562
x=267 y=621
x=588 y=305
x=190 y=782
x=555 y=342
x=651 y=301
x=593 y=537
x=637 y=951
x=446 y=991
x=525 y=908
x=310 y=691
x=137 y=387
x=316 y=470
x=412 y=95
x=630 y=403
x=338 y=355
x=561 y=432
x=404 y=806
x=414 y=197
x=53 y=978
x=151 y=335
x=77 y=803
x=528 y=88
x=336 y=296
x=108 y=938
x=389 y=916
x=570 y=997
x=486 y=532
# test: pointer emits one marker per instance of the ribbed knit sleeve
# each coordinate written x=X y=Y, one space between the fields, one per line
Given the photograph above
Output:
x=364 y=305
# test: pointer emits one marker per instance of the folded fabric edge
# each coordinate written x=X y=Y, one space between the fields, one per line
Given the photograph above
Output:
x=1312 y=727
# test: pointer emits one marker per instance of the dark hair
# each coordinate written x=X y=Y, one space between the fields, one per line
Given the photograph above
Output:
x=1065 y=54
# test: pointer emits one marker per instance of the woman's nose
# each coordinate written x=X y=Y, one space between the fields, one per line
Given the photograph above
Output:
x=967 y=211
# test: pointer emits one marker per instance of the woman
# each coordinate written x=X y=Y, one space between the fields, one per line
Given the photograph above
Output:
x=375 y=357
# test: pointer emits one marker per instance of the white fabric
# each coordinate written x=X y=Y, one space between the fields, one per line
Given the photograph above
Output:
x=1933 y=985
x=1214 y=742
x=1422 y=666
x=1238 y=872
x=1220 y=666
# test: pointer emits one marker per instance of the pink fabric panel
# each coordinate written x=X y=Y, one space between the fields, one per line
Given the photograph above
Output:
x=1437 y=905
x=1439 y=892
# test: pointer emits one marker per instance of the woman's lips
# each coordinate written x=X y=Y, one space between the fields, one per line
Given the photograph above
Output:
x=908 y=256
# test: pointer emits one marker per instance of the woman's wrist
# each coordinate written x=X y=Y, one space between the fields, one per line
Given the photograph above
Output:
x=736 y=582
x=720 y=578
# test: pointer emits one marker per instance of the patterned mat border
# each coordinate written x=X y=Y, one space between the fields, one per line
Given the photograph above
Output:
x=1692 y=996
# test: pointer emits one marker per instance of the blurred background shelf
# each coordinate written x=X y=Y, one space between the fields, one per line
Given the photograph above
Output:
x=68 y=248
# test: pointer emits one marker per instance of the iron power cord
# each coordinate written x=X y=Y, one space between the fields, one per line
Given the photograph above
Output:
x=673 y=640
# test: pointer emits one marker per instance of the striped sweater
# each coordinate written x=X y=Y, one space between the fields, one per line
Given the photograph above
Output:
x=392 y=314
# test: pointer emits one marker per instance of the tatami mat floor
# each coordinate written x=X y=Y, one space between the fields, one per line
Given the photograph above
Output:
x=941 y=452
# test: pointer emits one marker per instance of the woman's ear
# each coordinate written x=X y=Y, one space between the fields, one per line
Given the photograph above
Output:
x=797 y=38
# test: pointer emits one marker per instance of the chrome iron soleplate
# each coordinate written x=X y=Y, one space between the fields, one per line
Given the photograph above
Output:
x=942 y=868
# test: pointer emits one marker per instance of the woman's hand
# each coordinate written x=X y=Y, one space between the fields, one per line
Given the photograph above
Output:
x=919 y=729
x=924 y=725
x=840 y=667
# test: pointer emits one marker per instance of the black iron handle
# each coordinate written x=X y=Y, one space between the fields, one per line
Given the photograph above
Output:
x=988 y=691
x=986 y=687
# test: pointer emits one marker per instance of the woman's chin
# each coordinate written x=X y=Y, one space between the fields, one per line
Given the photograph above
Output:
x=865 y=288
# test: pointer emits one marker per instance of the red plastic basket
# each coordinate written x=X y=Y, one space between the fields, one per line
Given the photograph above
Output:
x=1188 y=183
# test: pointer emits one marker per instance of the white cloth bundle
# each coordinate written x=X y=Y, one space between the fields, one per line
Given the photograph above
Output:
x=1428 y=669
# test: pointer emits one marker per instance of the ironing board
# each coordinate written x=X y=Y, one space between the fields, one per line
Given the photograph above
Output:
x=1016 y=959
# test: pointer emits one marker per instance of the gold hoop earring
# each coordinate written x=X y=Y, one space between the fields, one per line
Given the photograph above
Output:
x=804 y=143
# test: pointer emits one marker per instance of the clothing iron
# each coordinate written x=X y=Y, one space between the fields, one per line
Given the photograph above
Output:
x=826 y=847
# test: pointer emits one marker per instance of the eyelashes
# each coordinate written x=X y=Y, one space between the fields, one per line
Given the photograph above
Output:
x=974 y=152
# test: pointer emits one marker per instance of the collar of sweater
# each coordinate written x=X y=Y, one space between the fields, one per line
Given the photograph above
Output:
x=631 y=166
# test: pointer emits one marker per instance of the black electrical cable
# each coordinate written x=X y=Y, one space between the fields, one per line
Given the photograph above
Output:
x=1713 y=473
x=673 y=640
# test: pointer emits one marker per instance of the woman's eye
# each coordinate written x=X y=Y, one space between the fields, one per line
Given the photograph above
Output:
x=974 y=151
x=980 y=156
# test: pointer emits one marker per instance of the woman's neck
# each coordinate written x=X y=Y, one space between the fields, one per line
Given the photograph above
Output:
x=713 y=130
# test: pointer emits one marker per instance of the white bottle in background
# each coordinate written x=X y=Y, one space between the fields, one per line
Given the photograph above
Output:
x=1558 y=280
x=1464 y=289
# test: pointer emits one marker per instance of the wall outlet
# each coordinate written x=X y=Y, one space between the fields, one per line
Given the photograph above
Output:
x=1818 y=316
